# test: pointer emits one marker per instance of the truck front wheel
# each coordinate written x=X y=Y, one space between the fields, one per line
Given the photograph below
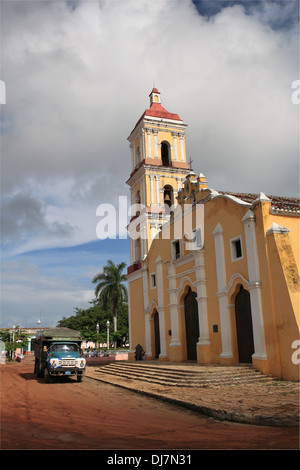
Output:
x=79 y=378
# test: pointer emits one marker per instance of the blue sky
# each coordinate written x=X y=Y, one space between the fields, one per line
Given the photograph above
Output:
x=78 y=76
x=48 y=284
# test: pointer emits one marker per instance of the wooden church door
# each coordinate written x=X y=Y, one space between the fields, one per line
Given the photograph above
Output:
x=156 y=334
x=191 y=324
x=244 y=326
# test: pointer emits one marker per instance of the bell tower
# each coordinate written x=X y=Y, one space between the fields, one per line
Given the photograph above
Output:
x=159 y=167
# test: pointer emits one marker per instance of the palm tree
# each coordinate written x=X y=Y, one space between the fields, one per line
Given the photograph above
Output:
x=110 y=287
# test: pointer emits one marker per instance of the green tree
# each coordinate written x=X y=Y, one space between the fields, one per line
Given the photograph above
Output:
x=13 y=339
x=110 y=290
x=85 y=321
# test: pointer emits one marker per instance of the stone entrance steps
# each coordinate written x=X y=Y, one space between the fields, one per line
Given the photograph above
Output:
x=183 y=376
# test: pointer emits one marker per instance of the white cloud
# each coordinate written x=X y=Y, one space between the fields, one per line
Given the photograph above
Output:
x=28 y=293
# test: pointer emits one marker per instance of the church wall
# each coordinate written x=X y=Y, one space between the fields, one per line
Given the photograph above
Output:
x=292 y=224
x=136 y=320
x=285 y=290
x=280 y=289
x=229 y=215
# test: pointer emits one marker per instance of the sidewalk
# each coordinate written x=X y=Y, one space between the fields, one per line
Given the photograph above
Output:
x=270 y=403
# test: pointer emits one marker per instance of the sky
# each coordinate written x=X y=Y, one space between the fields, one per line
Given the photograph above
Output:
x=77 y=77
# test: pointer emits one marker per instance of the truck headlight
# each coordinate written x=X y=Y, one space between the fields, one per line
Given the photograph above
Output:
x=81 y=363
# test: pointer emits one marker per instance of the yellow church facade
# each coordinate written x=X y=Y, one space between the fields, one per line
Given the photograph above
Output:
x=213 y=275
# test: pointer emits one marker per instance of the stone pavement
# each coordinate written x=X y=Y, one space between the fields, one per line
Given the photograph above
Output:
x=254 y=399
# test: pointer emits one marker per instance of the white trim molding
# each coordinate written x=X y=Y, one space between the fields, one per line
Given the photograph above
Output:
x=222 y=294
x=175 y=341
x=201 y=298
x=255 y=286
x=160 y=302
x=275 y=228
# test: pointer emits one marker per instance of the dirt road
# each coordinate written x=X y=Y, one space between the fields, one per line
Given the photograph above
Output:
x=94 y=415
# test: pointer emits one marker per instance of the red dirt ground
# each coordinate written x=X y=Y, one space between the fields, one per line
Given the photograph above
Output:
x=93 y=415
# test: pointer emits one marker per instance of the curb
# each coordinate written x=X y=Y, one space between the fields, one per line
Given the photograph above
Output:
x=221 y=415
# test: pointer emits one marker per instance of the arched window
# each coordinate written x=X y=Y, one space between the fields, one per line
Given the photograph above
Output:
x=165 y=153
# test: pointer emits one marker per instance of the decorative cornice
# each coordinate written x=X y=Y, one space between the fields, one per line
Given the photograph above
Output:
x=261 y=198
x=275 y=228
x=218 y=230
x=249 y=216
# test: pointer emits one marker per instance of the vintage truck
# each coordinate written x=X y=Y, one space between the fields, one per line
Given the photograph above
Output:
x=57 y=353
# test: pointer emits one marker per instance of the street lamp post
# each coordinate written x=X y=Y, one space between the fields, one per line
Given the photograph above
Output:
x=97 y=329
x=107 y=326
x=13 y=341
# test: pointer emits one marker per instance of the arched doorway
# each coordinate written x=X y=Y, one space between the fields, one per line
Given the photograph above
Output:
x=244 y=328
x=156 y=334
x=191 y=324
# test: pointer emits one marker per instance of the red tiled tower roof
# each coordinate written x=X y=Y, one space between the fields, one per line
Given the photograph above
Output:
x=156 y=110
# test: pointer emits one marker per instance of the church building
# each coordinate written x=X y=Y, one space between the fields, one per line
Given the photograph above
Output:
x=214 y=275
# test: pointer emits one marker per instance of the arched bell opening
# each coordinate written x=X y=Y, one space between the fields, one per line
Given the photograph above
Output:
x=168 y=195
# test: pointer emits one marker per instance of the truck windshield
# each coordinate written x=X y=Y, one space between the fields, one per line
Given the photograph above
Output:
x=64 y=347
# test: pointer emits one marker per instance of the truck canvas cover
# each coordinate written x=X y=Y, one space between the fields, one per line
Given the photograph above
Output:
x=60 y=334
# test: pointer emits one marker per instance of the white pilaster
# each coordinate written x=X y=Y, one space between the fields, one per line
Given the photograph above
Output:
x=157 y=190
x=142 y=145
x=223 y=302
x=146 y=313
x=132 y=156
x=201 y=298
x=175 y=146
x=149 y=143
x=181 y=147
x=143 y=231
x=131 y=251
x=161 y=310
x=255 y=286
x=143 y=191
x=129 y=320
x=151 y=190
x=173 y=305
x=155 y=144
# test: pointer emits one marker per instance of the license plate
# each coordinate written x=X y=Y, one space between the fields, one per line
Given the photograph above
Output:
x=68 y=372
